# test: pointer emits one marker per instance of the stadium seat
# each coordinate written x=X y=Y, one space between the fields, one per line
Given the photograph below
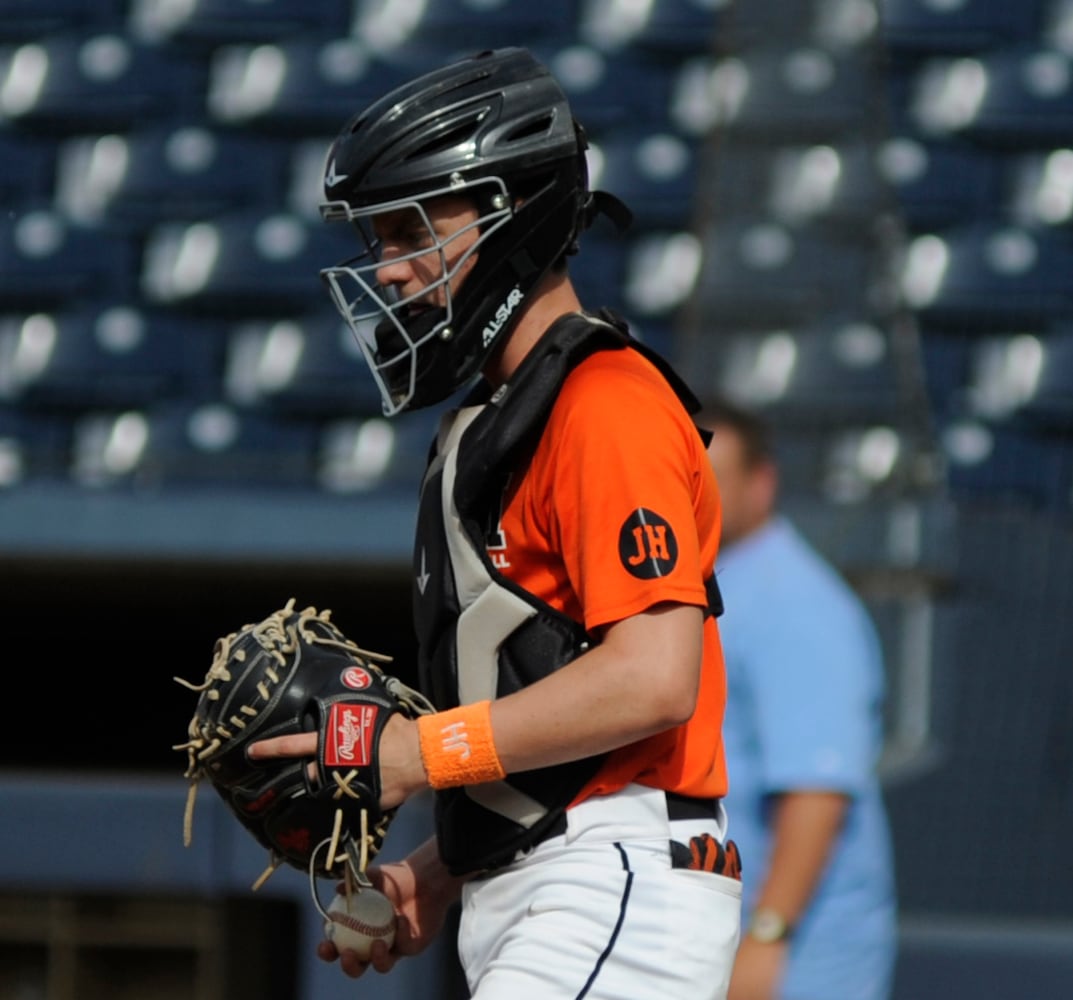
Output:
x=308 y=85
x=71 y=83
x=661 y=269
x=609 y=91
x=33 y=446
x=939 y=184
x=191 y=445
x=23 y=20
x=653 y=172
x=946 y=359
x=828 y=185
x=44 y=261
x=924 y=26
x=1056 y=30
x=989 y=275
x=207 y=24
x=599 y=272
x=103 y=355
x=309 y=365
x=995 y=463
x=29 y=168
x=866 y=462
x=777 y=94
x=669 y=27
x=1015 y=97
x=362 y=454
x=679 y=28
x=756 y=272
x=458 y=27
x=166 y=173
x=1038 y=188
x=1023 y=377
x=837 y=371
x=303 y=189
x=247 y=264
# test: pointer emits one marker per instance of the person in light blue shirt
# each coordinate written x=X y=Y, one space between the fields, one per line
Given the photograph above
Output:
x=803 y=731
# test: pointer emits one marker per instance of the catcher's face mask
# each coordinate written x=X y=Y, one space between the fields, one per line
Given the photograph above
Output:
x=401 y=295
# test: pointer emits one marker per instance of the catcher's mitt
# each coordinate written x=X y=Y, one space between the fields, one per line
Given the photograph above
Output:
x=296 y=672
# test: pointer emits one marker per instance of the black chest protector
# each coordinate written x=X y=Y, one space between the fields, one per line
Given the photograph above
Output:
x=479 y=634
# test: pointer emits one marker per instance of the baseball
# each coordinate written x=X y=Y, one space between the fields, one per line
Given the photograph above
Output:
x=369 y=917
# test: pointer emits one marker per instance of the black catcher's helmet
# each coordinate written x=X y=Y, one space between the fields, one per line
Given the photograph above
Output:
x=495 y=127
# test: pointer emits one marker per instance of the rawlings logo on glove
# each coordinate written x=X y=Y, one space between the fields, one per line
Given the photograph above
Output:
x=295 y=672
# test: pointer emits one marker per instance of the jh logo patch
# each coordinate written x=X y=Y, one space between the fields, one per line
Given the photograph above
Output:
x=646 y=545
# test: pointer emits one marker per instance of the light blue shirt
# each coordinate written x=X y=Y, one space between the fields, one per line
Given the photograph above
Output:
x=805 y=685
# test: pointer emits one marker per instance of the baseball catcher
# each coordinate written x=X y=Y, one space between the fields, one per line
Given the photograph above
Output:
x=296 y=672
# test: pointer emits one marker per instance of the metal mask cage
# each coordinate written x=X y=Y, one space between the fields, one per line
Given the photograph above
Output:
x=392 y=351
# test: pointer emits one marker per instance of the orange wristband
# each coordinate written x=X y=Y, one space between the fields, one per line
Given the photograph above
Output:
x=457 y=746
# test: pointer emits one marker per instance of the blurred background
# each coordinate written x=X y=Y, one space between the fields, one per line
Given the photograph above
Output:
x=856 y=215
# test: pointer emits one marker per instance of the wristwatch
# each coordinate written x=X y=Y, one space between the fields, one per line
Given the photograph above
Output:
x=768 y=926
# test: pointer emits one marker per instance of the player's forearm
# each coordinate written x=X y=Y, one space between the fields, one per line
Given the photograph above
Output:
x=641 y=680
x=805 y=826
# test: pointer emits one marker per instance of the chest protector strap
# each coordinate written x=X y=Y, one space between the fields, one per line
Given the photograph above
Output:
x=479 y=634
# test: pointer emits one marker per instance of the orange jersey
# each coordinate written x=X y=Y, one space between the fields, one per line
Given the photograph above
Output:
x=618 y=511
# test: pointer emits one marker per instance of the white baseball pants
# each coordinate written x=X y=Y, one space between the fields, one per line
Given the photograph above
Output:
x=599 y=913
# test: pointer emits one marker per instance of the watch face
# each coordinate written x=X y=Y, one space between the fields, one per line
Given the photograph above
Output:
x=768 y=926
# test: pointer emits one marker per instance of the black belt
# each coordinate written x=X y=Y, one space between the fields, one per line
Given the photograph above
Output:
x=678 y=807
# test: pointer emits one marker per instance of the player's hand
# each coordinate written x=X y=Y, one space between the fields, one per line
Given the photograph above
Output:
x=421 y=893
x=402 y=774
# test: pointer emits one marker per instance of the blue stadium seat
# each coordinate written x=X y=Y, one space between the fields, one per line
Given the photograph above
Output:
x=31 y=19
x=45 y=261
x=1038 y=187
x=678 y=28
x=308 y=85
x=846 y=465
x=996 y=463
x=756 y=272
x=359 y=455
x=1056 y=29
x=661 y=269
x=599 y=272
x=191 y=445
x=838 y=371
x=207 y=24
x=837 y=185
x=653 y=171
x=777 y=94
x=940 y=184
x=247 y=264
x=969 y=26
x=1023 y=377
x=670 y=27
x=946 y=358
x=308 y=365
x=304 y=185
x=29 y=169
x=863 y=463
x=609 y=91
x=104 y=355
x=989 y=275
x=33 y=446
x=1015 y=97
x=459 y=27
x=166 y=173
x=71 y=83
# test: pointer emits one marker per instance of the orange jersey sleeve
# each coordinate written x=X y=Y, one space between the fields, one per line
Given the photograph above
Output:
x=618 y=511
